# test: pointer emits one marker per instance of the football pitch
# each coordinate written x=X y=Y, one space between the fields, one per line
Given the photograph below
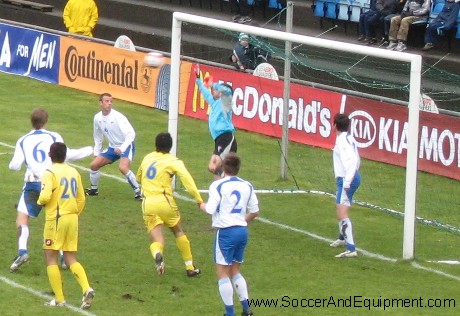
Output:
x=289 y=266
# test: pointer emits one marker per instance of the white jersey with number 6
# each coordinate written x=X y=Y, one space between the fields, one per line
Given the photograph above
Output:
x=32 y=150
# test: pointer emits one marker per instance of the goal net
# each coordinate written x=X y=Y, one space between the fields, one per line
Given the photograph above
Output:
x=362 y=70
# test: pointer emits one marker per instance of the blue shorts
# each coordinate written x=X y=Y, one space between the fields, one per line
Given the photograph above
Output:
x=28 y=200
x=230 y=245
x=111 y=155
x=345 y=197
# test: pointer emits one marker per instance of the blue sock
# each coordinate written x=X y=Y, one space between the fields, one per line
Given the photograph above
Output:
x=22 y=252
x=245 y=305
x=229 y=311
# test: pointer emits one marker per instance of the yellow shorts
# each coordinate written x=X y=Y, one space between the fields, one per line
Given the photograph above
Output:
x=61 y=234
x=159 y=210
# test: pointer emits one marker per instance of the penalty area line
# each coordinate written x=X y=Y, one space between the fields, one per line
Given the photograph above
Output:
x=43 y=296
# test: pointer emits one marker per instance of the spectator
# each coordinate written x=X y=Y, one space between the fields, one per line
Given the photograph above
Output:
x=240 y=7
x=261 y=55
x=445 y=21
x=414 y=10
x=369 y=20
x=243 y=53
x=387 y=21
x=80 y=16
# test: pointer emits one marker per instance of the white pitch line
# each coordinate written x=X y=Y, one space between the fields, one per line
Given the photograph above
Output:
x=43 y=296
x=445 y=261
x=450 y=276
x=327 y=240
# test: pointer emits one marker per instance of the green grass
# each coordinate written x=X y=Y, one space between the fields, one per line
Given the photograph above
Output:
x=281 y=261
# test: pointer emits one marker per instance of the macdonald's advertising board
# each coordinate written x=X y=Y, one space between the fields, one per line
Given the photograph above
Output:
x=258 y=104
x=29 y=53
x=380 y=128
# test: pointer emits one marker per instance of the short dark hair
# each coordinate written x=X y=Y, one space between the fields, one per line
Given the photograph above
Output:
x=341 y=122
x=38 y=118
x=105 y=94
x=163 y=142
x=231 y=164
x=58 y=152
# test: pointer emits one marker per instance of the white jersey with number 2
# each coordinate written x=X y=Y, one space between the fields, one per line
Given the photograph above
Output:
x=230 y=199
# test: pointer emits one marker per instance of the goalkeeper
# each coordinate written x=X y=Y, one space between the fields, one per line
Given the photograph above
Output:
x=220 y=99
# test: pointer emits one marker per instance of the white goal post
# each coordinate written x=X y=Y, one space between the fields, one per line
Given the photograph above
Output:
x=414 y=60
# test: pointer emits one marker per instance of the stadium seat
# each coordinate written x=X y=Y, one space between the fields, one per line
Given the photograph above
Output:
x=355 y=10
x=454 y=33
x=366 y=6
x=417 y=28
x=343 y=10
x=435 y=9
x=331 y=9
x=319 y=10
x=276 y=4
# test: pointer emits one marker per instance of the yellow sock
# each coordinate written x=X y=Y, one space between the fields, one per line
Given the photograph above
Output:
x=156 y=247
x=183 y=244
x=54 y=276
x=79 y=273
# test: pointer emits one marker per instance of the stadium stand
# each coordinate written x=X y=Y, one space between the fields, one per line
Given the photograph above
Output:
x=148 y=22
x=30 y=5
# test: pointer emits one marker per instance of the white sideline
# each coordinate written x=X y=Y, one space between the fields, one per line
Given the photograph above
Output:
x=261 y=219
x=43 y=296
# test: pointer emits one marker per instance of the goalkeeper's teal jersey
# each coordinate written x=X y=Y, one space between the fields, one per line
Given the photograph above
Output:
x=220 y=116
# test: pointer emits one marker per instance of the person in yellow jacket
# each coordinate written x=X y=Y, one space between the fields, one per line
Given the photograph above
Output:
x=80 y=16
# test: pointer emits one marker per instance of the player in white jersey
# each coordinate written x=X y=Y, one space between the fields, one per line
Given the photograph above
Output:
x=346 y=170
x=232 y=204
x=115 y=127
x=32 y=151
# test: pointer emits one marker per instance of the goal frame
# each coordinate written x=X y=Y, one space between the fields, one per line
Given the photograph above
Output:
x=414 y=60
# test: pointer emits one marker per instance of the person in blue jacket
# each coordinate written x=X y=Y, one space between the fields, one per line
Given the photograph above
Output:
x=445 y=21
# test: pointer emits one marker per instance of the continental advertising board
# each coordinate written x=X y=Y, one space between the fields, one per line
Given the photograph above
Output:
x=100 y=68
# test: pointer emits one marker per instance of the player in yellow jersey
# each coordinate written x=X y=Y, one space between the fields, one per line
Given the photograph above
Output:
x=63 y=197
x=159 y=207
